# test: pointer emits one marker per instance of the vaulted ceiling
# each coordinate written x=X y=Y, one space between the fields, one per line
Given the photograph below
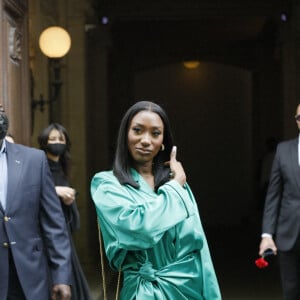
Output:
x=236 y=18
x=206 y=27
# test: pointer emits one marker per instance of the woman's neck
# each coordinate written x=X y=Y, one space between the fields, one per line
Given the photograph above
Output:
x=145 y=169
x=52 y=157
x=147 y=173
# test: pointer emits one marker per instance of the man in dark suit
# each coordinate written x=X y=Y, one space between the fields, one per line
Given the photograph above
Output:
x=281 y=218
x=34 y=245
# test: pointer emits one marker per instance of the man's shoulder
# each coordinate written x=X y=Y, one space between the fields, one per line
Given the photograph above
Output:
x=286 y=144
x=25 y=149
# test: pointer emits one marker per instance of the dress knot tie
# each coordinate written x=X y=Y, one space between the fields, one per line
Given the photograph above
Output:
x=147 y=272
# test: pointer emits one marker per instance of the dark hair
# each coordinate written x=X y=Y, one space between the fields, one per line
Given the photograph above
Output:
x=3 y=122
x=65 y=158
x=123 y=161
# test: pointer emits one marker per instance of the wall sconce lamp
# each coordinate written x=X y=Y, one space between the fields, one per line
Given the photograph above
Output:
x=54 y=42
x=191 y=64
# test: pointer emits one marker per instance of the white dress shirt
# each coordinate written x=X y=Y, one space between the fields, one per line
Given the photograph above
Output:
x=299 y=150
x=3 y=174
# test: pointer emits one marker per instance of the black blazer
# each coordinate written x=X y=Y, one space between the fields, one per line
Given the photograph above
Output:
x=32 y=226
x=281 y=216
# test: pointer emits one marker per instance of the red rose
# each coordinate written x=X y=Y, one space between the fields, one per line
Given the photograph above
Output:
x=261 y=263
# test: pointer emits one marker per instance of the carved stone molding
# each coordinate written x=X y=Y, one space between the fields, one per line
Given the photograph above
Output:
x=14 y=75
x=15 y=44
x=16 y=9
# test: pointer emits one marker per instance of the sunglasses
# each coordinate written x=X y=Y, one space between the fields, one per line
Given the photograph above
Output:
x=297 y=118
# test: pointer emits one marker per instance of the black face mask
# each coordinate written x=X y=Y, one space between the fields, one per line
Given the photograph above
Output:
x=56 y=149
x=3 y=125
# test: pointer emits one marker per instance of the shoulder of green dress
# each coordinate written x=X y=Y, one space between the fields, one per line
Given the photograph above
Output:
x=103 y=176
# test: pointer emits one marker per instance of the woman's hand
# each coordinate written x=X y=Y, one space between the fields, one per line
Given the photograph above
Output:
x=67 y=194
x=177 y=171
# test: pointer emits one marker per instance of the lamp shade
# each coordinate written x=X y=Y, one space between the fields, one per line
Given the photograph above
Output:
x=55 y=42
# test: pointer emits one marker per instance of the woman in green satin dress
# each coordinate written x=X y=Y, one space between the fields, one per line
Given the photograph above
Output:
x=148 y=215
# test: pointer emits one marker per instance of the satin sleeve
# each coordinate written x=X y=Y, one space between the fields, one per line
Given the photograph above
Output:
x=134 y=219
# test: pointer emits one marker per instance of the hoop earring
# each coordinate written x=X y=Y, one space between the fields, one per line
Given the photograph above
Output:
x=162 y=147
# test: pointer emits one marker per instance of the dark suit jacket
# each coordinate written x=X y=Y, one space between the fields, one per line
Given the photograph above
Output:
x=282 y=207
x=33 y=226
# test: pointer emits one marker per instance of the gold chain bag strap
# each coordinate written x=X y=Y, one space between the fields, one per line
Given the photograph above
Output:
x=103 y=269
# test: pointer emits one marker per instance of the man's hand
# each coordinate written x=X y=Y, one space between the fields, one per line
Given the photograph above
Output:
x=61 y=292
x=267 y=243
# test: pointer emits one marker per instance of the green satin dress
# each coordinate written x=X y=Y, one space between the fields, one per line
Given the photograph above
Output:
x=155 y=238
